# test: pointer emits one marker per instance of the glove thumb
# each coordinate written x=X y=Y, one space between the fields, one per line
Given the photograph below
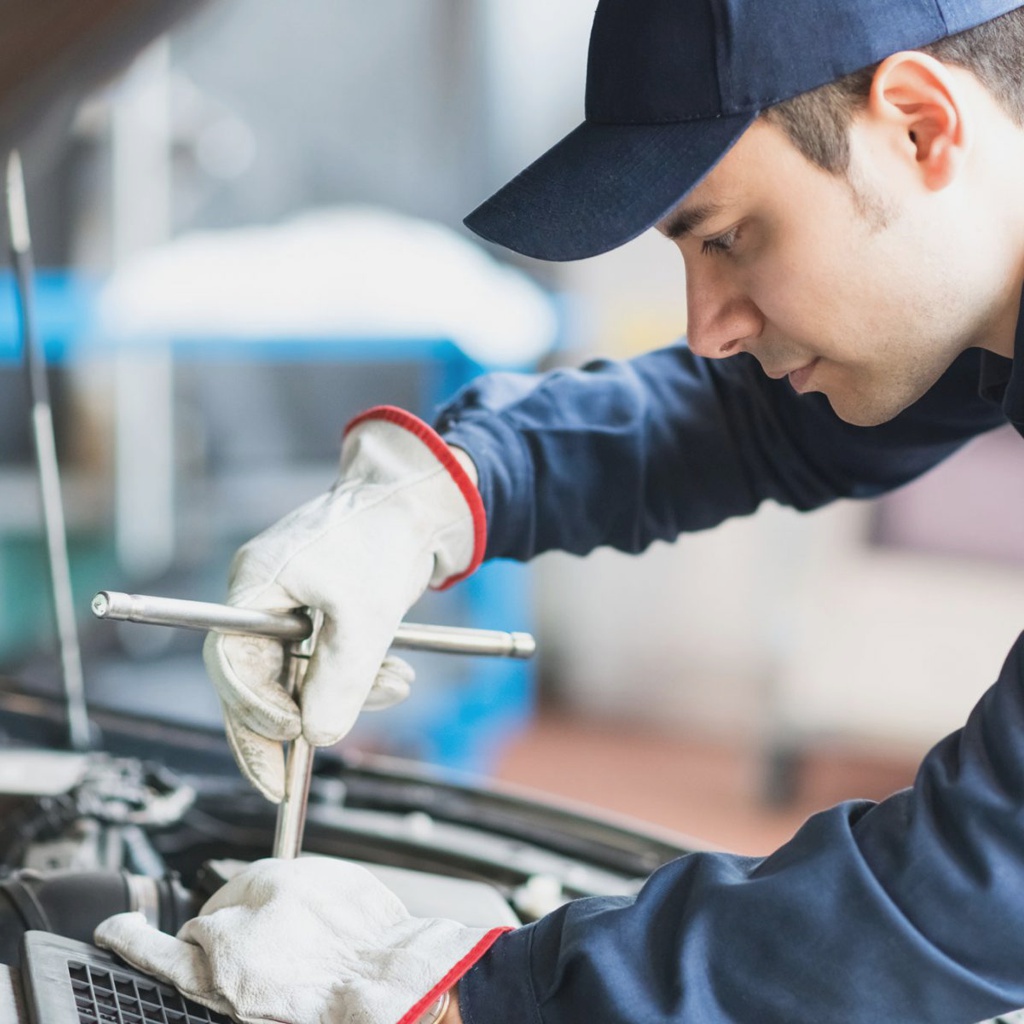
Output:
x=180 y=964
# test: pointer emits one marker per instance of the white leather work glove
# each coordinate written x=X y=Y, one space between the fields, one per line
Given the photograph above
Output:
x=307 y=941
x=403 y=514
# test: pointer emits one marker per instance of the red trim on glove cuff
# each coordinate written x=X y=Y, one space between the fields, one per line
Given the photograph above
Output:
x=440 y=450
x=421 y=1006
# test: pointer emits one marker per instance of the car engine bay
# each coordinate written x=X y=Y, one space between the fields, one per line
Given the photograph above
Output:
x=156 y=818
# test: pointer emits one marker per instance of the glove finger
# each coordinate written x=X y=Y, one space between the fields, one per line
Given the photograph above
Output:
x=246 y=672
x=341 y=672
x=181 y=964
x=261 y=760
x=392 y=685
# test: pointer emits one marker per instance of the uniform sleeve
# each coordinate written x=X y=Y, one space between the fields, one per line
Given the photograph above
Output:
x=908 y=910
x=625 y=453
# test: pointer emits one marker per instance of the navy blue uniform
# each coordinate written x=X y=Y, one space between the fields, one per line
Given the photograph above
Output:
x=910 y=909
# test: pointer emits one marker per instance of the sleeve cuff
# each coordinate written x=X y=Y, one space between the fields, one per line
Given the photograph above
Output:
x=500 y=980
x=420 y=1007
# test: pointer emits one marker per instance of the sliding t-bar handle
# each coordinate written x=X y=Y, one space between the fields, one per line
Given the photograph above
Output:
x=297 y=625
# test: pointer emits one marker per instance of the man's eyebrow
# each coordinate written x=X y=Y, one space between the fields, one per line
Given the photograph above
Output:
x=686 y=219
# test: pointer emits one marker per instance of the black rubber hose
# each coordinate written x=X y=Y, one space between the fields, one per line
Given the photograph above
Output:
x=72 y=903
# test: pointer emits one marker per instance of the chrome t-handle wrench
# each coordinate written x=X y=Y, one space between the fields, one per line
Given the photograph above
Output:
x=297 y=630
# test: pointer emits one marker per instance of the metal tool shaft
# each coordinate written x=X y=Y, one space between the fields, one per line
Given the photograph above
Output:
x=297 y=626
x=298 y=767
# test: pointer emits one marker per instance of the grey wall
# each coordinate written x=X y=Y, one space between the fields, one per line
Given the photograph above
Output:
x=346 y=100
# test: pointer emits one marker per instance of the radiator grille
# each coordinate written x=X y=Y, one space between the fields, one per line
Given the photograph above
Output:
x=110 y=997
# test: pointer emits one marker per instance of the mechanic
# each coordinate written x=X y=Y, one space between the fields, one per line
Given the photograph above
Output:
x=845 y=182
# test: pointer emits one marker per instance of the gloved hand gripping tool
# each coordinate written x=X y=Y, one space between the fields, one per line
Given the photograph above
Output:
x=297 y=630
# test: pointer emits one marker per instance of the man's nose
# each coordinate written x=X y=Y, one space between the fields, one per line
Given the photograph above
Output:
x=721 y=318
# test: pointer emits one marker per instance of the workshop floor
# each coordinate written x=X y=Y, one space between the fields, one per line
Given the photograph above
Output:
x=710 y=790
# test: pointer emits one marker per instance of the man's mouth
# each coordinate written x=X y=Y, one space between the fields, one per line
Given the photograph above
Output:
x=800 y=378
x=798 y=375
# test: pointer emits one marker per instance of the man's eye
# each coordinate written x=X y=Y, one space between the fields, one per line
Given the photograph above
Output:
x=719 y=244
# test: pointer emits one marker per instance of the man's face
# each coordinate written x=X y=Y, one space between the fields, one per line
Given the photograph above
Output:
x=864 y=288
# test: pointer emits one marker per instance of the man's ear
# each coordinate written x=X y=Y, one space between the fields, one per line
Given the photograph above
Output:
x=920 y=99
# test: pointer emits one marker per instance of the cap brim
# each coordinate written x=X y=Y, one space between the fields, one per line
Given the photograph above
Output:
x=603 y=185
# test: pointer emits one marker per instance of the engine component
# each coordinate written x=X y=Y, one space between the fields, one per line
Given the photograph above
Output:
x=72 y=903
x=100 y=822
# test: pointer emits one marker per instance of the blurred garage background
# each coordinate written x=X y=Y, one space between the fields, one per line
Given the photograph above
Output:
x=255 y=233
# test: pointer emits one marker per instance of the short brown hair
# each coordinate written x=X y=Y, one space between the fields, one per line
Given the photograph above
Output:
x=818 y=122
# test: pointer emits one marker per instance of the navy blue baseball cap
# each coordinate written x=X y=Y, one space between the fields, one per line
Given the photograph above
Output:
x=671 y=85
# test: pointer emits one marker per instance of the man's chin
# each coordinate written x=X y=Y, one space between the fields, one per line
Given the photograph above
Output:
x=862 y=413
x=870 y=399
